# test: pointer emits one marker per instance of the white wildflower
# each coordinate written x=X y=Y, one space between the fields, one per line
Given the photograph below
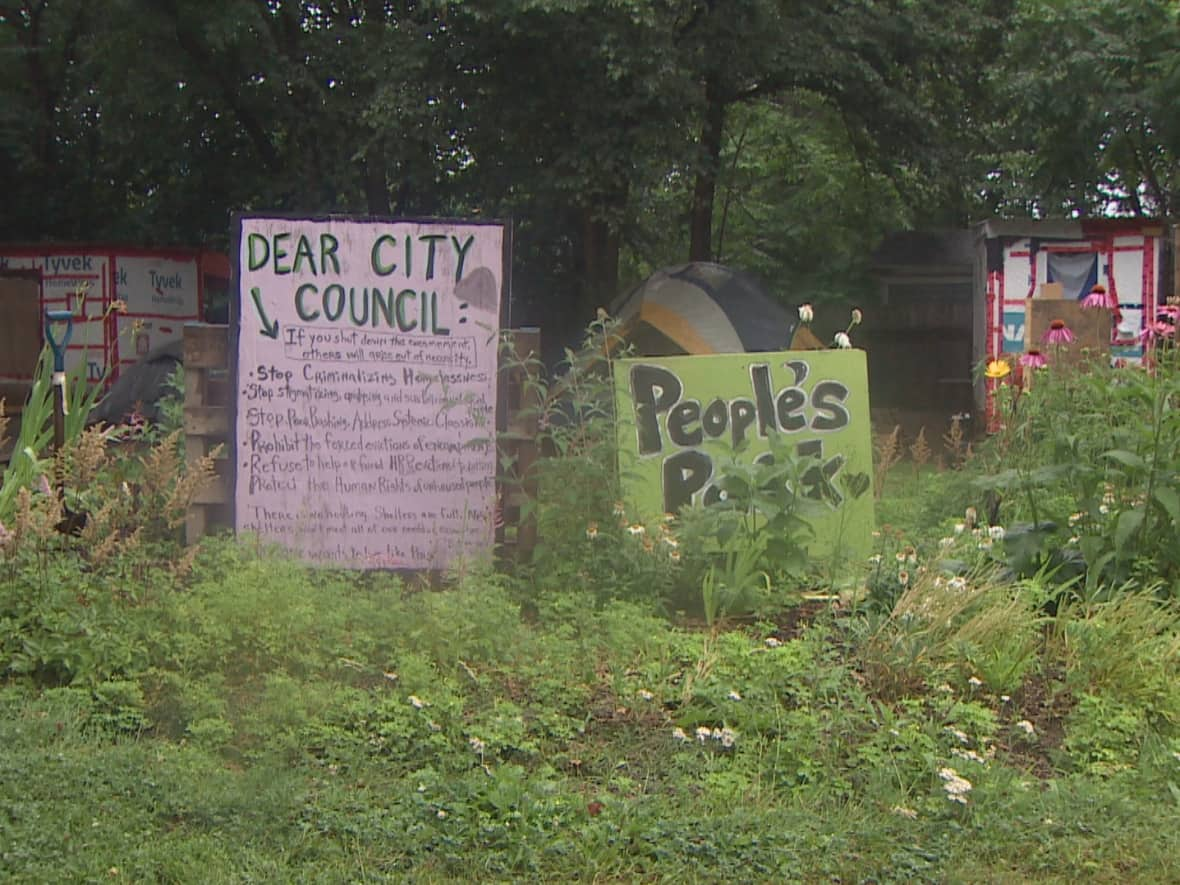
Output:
x=734 y=696
x=875 y=559
x=985 y=543
x=960 y=527
x=956 y=786
x=441 y=814
x=1104 y=509
x=969 y=755
x=842 y=341
x=417 y=703
x=679 y=736
x=902 y=811
x=636 y=529
x=1005 y=698
x=996 y=532
x=1027 y=727
x=975 y=682
x=477 y=745
x=703 y=733
x=728 y=738
x=771 y=642
x=806 y=313
x=1075 y=518
x=960 y=736
x=957 y=583
x=946 y=542
x=645 y=694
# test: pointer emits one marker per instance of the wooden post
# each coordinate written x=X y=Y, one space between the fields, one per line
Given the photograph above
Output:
x=206 y=424
x=1176 y=261
x=521 y=401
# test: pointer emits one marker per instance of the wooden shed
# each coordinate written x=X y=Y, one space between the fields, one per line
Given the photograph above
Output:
x=951 y=299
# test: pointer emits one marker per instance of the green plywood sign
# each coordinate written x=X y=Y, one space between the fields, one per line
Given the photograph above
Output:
x=682 y=419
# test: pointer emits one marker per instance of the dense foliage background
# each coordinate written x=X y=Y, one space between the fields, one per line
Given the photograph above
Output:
x=777 y=135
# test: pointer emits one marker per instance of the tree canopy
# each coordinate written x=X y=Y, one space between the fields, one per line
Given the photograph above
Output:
x=779 y=135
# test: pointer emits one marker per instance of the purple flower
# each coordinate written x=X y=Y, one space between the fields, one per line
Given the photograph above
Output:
x=1100 y=298
x=1158 y=329
x=1057 y=333
x=1034 y=359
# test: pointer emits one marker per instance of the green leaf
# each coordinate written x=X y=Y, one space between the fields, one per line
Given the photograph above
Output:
x=1130 y=459
x=1130 y=521
x=1170 y=501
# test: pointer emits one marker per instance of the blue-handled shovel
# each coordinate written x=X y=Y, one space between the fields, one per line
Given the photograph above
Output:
x=59 y=371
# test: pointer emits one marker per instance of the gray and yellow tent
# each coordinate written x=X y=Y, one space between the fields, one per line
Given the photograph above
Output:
x=703 y=308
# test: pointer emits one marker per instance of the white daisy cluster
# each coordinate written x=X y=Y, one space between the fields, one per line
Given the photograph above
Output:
x=727 y=737
x=955 y=785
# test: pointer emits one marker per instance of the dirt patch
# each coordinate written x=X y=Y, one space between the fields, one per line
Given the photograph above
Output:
x=1045 y=704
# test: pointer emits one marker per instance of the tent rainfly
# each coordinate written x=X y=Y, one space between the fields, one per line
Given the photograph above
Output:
x=702 y=308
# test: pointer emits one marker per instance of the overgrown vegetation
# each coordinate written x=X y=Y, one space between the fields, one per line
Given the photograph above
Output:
x=964 y=709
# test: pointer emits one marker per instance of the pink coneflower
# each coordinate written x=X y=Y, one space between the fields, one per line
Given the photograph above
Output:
x=1158 y=329
x=1057 y=333
x=1100 y=298
x=1034 y=359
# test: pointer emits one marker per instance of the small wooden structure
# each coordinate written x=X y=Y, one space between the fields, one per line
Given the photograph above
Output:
x=20 y=345
x=948 y=300
x=207 y=423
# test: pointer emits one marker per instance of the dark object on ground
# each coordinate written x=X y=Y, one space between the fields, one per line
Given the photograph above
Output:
x=72 y=523
x=139 y=387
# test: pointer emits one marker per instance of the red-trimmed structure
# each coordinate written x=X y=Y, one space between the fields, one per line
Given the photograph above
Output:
x=162 y=288
x=951 y=299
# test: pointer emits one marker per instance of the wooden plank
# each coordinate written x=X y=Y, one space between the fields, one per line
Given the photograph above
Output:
x=20 y=330
x=206 y=346
x=1090 y=327
x=216 y=492
x=1176 y=261
x=194 y=525
x=209 y=421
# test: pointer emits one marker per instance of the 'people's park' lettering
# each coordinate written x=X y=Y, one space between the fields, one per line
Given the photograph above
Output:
x=667 y=419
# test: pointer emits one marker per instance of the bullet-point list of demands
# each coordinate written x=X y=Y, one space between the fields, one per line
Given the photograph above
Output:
x=368 y=450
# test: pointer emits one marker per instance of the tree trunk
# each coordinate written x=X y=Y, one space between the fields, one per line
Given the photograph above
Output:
x=705 y=189
x=600 y=265
x=376 y=182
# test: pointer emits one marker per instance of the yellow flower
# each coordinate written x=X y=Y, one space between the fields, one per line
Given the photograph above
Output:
x=997 y=369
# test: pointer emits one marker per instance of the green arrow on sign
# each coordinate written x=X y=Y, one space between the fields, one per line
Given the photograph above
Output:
x=269 y=329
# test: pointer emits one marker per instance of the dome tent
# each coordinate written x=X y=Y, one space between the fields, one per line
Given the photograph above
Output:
x=702 y=308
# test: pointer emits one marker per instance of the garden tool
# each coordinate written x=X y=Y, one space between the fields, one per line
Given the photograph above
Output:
x=60 y=403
